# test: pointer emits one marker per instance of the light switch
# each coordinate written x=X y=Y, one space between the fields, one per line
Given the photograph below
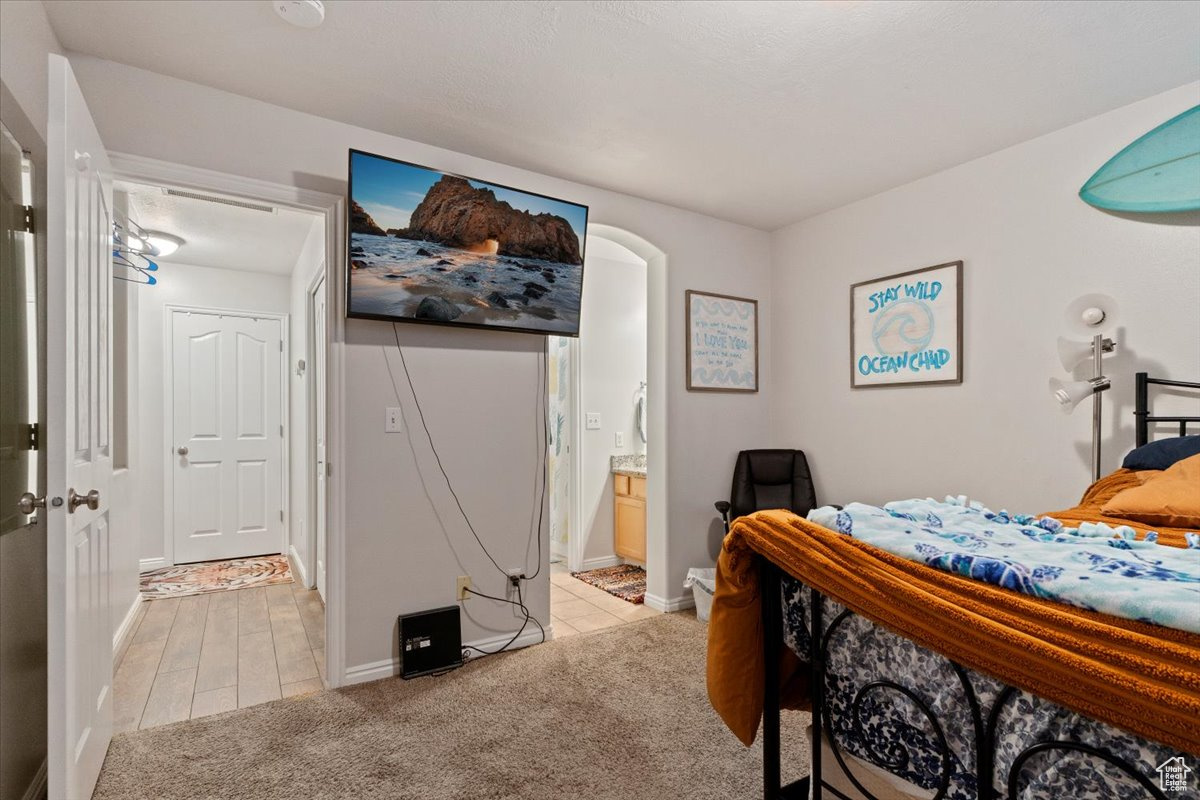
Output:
x=593 y=421
x=393 y=421
x=619 y=439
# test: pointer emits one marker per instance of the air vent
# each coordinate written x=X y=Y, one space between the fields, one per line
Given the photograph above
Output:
x=222 y=200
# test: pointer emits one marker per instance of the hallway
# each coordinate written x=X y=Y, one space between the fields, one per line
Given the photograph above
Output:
x=189 y=657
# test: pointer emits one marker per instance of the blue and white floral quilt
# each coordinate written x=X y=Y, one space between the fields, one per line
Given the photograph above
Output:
x=1094 y=566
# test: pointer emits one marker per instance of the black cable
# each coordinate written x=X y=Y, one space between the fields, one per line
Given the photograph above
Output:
x=518 y=603
x=432 y=447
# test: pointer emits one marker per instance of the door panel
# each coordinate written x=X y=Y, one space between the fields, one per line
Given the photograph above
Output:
x=227 y=436
x=78 y=355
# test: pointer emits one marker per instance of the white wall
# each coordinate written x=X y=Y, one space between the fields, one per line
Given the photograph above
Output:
x=478 y=386
x=612 y=350
x=26 y=39
x=1030 y=246
x=309 y=263
x=180 y=284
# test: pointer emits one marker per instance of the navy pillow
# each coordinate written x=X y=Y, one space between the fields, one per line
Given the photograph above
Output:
x=1163 y=453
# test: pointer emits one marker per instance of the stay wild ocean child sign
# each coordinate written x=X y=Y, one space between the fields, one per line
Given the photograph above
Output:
x=906 y=329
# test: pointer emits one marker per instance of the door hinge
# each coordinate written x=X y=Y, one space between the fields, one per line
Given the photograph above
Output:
x=31 y=436
x=281 y=345
x=281 y=515
x=27 y=219
x=281 y=430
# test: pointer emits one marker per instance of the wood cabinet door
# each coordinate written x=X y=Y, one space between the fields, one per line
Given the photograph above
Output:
x=630 y=528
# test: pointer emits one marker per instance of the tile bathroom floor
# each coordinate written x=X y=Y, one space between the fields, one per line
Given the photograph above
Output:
x=577 y=607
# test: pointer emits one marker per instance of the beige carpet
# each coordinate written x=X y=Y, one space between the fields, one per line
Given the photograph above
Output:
x=618 y=714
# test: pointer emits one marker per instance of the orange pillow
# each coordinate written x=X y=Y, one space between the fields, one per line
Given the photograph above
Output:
x=1170 y=499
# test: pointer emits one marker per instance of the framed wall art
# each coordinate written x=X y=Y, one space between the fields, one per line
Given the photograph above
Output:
x=722 y=343
x=906 y=329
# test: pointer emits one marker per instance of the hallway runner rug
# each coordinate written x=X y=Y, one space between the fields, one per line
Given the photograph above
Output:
x=215 y=576
x=624 y=581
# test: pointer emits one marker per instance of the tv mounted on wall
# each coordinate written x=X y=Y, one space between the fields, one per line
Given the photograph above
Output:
x=429 y=246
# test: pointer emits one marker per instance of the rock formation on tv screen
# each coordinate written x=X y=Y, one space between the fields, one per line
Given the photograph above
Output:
x=456 y=214
x=361 y=222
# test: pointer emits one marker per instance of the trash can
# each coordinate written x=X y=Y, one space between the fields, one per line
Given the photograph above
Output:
x=702 y=582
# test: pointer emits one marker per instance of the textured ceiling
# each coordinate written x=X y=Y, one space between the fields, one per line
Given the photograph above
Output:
x=217 y=235
x=758 y=112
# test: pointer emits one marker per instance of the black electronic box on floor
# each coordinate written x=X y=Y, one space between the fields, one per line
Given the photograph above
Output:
x=430 y=641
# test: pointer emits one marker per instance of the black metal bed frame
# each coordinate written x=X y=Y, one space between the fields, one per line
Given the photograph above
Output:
x=1141 y=413
x=984 y=722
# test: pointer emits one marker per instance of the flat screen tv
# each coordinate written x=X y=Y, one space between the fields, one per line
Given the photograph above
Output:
x=428 y=246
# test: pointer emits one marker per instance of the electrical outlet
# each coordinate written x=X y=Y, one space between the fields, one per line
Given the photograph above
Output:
x=393 y=420
x=592 y=421
x=464 y=583
x=619 y=439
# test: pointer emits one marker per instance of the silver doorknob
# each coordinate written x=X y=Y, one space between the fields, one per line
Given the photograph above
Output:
x=183 y=451
x=91 y=500
x=28 y=504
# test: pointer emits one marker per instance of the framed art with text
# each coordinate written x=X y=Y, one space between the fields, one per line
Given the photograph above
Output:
x=907 y=329
x=722 y=346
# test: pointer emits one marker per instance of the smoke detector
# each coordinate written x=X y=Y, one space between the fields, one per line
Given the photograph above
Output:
x=301 y=13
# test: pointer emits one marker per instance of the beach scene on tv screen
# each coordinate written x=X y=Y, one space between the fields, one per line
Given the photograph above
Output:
x=434 y=247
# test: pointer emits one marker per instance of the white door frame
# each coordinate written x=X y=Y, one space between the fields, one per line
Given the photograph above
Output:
x=310 y=432
x=575 y=537
x=658 y=596
x=333 y=207
x=169 y=442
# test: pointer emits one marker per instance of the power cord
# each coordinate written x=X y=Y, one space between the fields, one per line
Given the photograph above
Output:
x=514 y=580
x=518 y=603
x=433 y=447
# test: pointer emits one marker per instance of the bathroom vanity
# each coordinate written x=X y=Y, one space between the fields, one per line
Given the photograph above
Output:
x=629 y=507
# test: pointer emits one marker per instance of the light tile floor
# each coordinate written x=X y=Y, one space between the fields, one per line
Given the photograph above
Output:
x=192 y=656
x=578 y=607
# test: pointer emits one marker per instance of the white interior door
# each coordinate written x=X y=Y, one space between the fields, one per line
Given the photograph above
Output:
x=79 y=453
x=318 y=406
x=226 y=436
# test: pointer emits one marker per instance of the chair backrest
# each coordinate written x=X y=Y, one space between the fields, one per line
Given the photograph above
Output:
x=764 y=479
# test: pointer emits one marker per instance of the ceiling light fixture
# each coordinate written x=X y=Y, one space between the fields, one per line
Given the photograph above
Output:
x=164 y=244
x=301 y=13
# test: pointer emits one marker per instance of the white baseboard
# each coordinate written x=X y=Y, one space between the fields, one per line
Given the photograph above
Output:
x=600 y=563
x=147 y=564
x=669 y=604
x=37 y=787
x=390 y=667
x=125 y=629
x=298 y=566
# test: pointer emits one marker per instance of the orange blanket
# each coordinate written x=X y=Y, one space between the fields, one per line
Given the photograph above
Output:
x=1139 y=677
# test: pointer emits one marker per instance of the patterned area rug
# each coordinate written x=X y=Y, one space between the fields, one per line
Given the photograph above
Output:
x=215 y=576
x=624 y=581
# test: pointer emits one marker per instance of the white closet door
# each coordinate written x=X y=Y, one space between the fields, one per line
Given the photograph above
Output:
x=227 y=436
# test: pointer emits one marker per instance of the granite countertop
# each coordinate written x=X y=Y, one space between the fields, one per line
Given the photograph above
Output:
x=634 y=466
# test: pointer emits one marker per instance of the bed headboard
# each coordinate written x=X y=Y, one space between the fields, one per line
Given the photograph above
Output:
x=1142 y=414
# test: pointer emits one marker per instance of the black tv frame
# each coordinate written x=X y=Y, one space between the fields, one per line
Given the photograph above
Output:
x=475 y=325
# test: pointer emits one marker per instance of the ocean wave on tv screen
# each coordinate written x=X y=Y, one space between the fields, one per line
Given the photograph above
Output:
x=393 y=277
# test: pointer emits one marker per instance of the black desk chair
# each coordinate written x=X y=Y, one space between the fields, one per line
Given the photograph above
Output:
x=764 y=479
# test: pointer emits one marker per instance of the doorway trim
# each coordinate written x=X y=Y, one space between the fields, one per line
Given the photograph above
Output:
x=169 y=309
x=657 y=545
x=333 y=207
x=310 y=433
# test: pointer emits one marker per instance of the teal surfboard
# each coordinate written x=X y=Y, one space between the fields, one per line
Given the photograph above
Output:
x=1158 y=172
